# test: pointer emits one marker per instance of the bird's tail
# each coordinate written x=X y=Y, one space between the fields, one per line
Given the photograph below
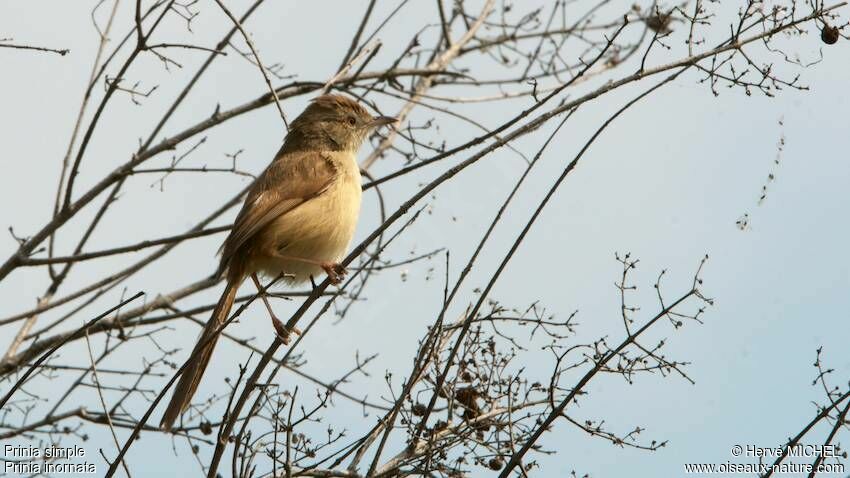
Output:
x=194 y=370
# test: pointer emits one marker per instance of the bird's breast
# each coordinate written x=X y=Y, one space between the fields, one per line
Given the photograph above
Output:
x=320 y=229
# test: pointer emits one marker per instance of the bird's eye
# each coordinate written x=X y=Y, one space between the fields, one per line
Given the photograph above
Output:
x=352 y=121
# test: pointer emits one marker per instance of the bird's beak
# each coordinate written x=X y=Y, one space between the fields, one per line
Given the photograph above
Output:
x=381 y=121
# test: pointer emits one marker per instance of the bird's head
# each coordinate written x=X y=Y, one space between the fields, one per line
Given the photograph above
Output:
x=333 y=122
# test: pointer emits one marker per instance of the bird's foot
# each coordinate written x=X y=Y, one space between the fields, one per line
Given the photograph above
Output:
x=283 y=331
x=336 y=272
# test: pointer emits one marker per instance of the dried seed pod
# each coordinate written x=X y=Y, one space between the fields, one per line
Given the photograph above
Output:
x=482 y=425
x=829 y=35
x=659 y=23
x=205 y=427
x=467 y=397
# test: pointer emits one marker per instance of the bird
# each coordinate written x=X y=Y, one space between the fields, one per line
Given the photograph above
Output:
x=297 y=221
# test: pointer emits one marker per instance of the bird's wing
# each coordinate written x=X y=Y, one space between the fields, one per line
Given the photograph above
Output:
x=289 y=181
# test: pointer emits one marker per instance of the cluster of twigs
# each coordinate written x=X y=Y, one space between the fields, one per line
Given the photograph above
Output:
x=833 y=414
x=467 y=400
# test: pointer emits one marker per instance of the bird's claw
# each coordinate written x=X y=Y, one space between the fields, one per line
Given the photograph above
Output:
x=283 y=332
x=336 y=272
